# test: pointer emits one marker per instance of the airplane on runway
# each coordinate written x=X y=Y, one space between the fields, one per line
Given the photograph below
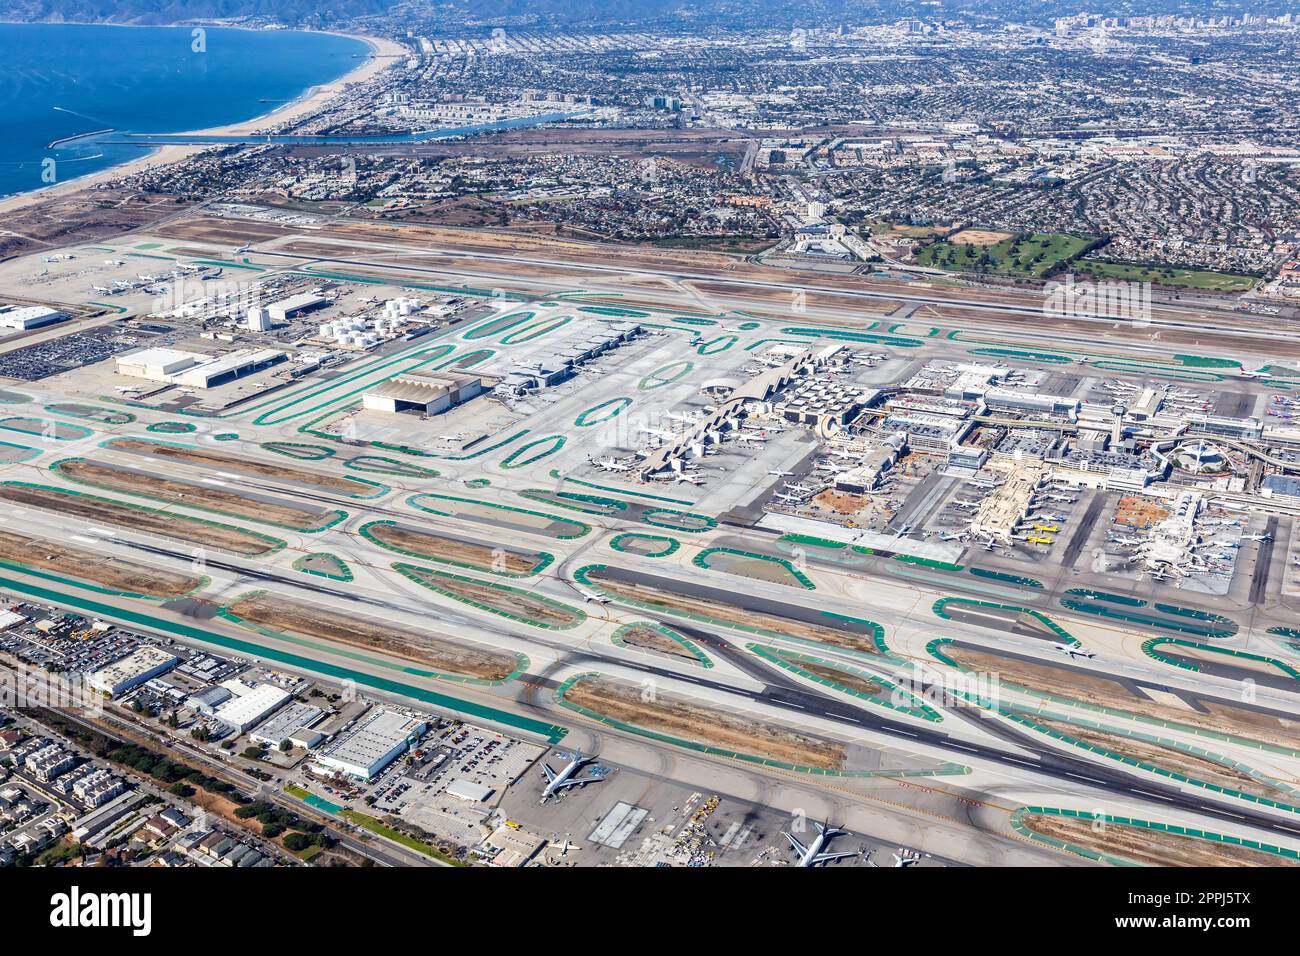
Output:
x=246 y=247
x=813 y=854
x=780 y=474
x=1256 y=537
x=1073 y=652
x=566 y=778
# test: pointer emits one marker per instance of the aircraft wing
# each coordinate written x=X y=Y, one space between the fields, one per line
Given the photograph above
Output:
x=550 y=774
x=798 y=847
x=830 y=857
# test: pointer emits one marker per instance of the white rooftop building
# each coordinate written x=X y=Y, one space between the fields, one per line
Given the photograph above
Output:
x=193 y=369
x=131 y=671
x=27 y=317
x=372 y=745
x=248 y=710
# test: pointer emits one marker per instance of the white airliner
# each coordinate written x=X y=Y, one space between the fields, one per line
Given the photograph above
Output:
x=610 y=464
x=1256 y=537
x=906 y=858
x=689 y=479
x=556 y=783
x=661 y=432
x=1073 y=652
x=246 y=247
x=792 y=498
x=780 y=474
x=813 y=854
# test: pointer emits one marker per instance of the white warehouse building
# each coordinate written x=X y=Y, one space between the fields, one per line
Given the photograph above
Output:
x=382 y=737
x=141 y=665
x=250 y=709
x=193 y=369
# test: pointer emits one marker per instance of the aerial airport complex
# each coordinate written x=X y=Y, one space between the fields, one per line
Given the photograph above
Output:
x=512 y=553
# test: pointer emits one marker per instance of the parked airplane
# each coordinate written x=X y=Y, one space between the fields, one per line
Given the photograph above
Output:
x=814 y=853
x=952 y=536
x=906 y=858
x=791 y=498
x=689 y=479
x=661 y=432
x=566 y=778
x=610 y=464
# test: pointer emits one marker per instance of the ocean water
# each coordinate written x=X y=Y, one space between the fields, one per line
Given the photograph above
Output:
x=62 y=80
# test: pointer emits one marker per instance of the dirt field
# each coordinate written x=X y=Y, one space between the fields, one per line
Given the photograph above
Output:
x=841 y=502
x=852 y=681
x=1169 y=758
x=197 y=495
x=721 y=611
x=108 y=572
x=705 y=724
x=1244 y=664
x=1149 y=847
x=511 y=602
x=430 y=544
x=1094 y=689
x=188 y=531
x=80 y=217
x=979 y=237
x=1139 y=511
x=651 y=639
x=204 y=458
x=293 y=617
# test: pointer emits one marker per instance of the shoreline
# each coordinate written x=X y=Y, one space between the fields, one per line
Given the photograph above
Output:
x=311 y=99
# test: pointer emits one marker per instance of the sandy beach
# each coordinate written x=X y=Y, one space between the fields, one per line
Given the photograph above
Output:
x=384 y=54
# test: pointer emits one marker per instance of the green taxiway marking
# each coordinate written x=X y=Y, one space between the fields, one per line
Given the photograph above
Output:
x=1017 y=822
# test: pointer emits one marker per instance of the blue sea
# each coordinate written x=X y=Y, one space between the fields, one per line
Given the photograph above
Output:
x=62 y=80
